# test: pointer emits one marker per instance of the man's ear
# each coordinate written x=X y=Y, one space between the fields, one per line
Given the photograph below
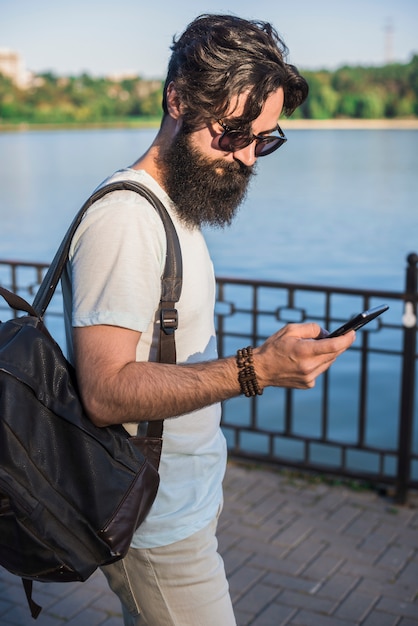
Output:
x=173 y=101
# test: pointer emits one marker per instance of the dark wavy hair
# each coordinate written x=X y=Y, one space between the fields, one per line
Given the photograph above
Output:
x=220 y=56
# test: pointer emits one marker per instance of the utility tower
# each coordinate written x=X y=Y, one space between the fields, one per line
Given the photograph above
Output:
x=389 y=34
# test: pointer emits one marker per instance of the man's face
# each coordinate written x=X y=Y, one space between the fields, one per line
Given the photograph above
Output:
x=207 y=184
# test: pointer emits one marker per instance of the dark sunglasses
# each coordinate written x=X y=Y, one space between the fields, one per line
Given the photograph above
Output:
x=232 y=140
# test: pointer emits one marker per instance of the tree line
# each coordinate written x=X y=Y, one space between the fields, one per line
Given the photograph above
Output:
x=389 y=91
x=83 y=99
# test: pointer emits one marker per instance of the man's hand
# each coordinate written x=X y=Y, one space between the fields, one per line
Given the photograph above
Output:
x=293 y=357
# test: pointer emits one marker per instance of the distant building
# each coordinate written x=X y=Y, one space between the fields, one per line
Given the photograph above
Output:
x=12 y=66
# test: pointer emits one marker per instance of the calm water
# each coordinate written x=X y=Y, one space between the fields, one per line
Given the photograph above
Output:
x=331 y=207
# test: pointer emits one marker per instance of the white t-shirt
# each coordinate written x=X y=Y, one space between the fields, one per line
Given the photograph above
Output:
x=117 y=257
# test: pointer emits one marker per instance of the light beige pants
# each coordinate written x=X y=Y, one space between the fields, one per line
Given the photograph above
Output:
x=182 y=584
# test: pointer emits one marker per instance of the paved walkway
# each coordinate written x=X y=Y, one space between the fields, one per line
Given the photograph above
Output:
x=297 y=552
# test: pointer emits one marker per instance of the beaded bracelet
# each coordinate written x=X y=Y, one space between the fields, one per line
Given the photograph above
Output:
x=247 y=377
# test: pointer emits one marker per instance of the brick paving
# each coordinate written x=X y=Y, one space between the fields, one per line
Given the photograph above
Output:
x=298 y=552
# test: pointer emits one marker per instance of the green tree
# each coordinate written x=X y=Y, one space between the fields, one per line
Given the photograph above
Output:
x=323 y=99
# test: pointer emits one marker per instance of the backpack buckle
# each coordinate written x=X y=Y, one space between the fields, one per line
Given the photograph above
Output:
x=169 y=320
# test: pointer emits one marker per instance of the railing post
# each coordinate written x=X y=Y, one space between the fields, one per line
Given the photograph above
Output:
x=406 y=417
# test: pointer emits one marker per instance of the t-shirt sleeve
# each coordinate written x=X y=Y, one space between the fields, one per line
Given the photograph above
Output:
x=117 y=259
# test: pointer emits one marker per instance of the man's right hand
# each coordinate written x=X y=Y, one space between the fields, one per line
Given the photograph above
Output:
x=293 y=357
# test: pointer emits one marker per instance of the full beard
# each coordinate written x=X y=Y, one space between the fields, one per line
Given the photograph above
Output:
x=204 y=191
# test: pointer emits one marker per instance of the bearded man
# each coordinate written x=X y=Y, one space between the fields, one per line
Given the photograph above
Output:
x=227 y=85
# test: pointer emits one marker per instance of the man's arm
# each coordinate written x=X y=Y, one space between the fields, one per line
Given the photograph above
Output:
x=115 y=388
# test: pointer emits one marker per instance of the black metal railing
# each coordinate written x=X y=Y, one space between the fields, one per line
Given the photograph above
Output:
x=361 y=419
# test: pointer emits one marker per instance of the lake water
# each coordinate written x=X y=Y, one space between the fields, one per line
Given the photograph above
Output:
x=333 y=207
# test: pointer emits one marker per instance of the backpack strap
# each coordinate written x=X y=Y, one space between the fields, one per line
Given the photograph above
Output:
x=171 y=282
x=16 y=302
x=34 y=608
x=172 y=278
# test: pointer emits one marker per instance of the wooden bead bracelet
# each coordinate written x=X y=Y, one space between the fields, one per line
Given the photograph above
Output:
x=247 y=377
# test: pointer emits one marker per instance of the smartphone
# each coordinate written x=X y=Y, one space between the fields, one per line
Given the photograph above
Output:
x=359 y=320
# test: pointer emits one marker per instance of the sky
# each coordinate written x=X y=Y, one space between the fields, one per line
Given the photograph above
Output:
x=133 y=36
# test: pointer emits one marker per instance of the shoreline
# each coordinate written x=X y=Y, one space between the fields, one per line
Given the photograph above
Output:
x=299 y=124
x=352 y=124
